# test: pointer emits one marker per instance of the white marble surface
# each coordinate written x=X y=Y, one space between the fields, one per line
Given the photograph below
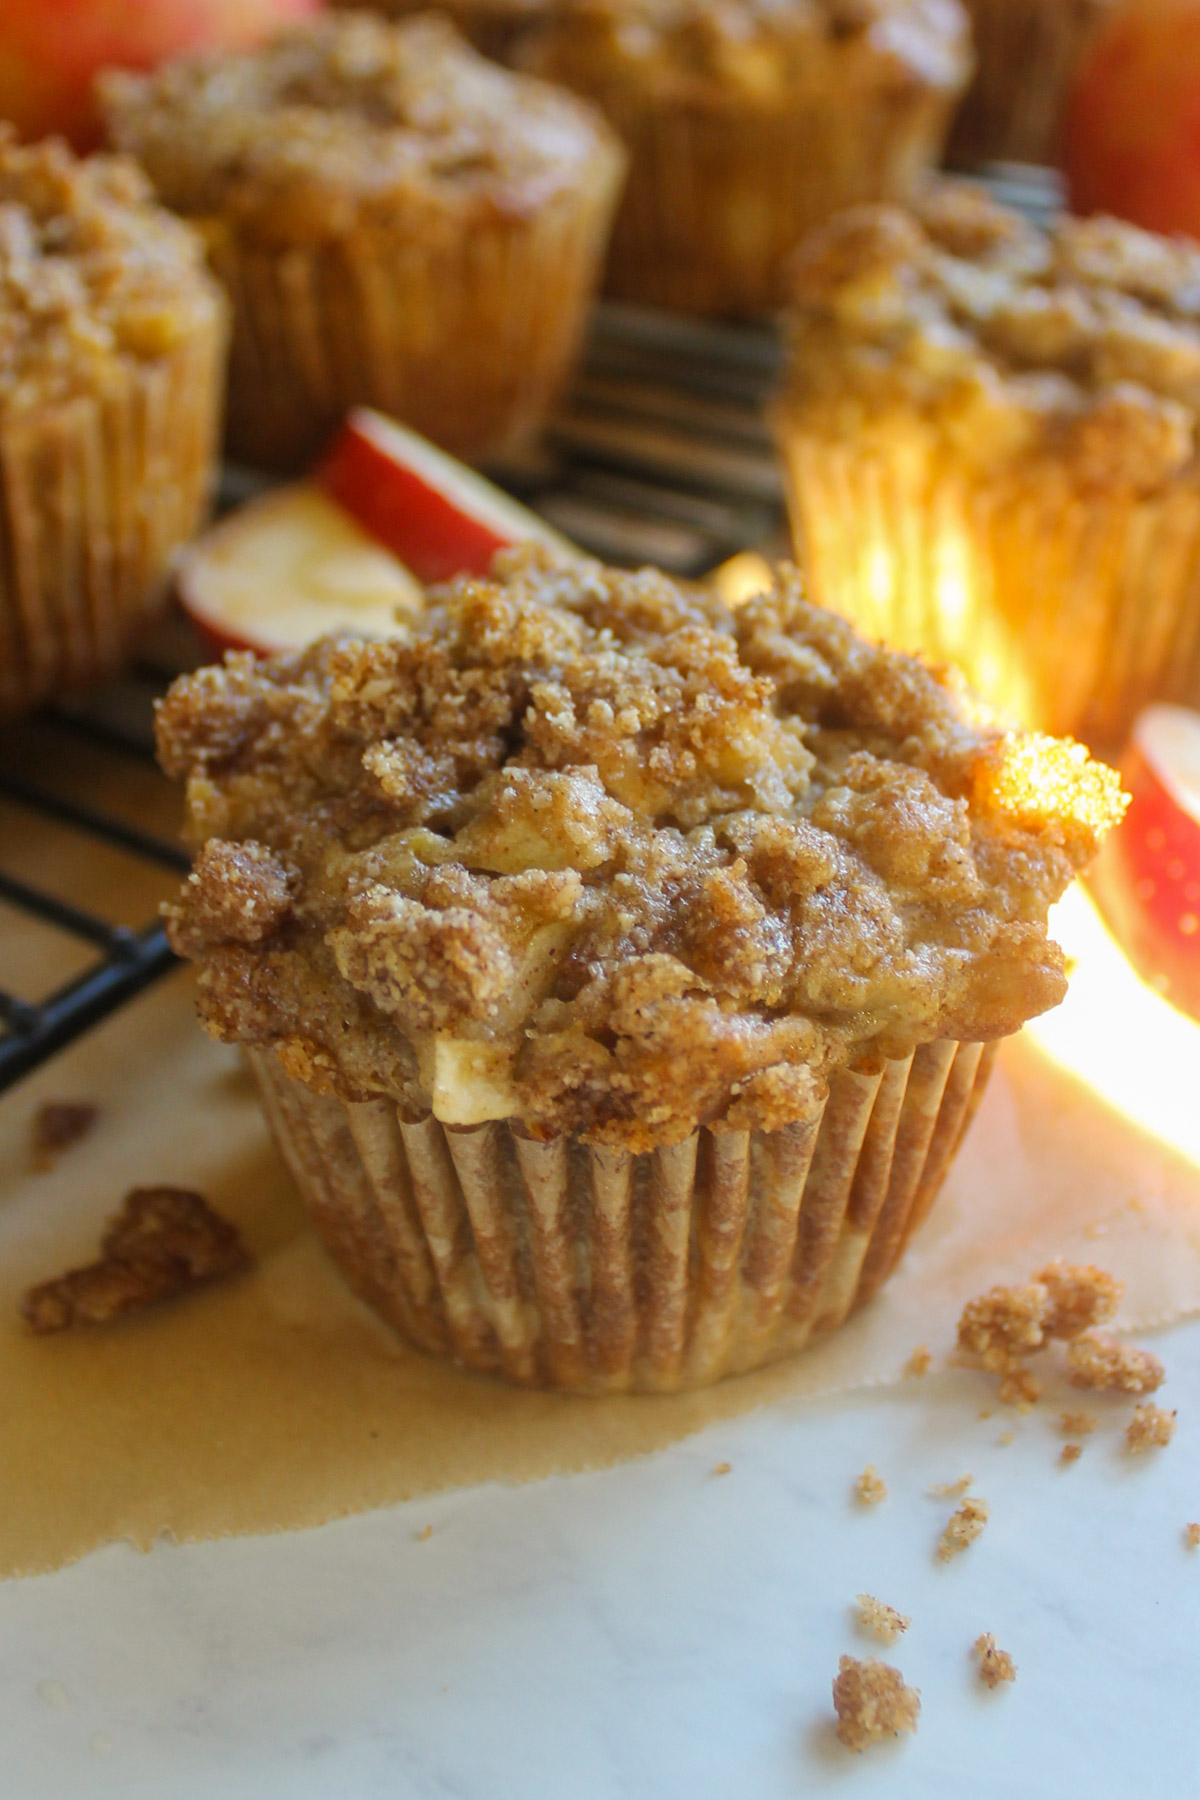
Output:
x=650 y=1632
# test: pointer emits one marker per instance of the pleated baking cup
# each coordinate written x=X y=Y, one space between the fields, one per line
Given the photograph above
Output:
x=99 y=491
x=718 y=196
x=561 y=1265
x=467 y=332
x=1026 y=55
x=1069 y=610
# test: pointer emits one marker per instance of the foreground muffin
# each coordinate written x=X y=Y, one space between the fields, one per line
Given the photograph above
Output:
x=620 y=974
x=750 y=121
x=990 y=434
x=112 y=342
x=397 y=221
x=494 y=27
x=1026 y=54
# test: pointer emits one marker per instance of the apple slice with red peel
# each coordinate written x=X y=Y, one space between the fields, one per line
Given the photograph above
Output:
x=1148 y=877
x=438 y=516
x=287 y=568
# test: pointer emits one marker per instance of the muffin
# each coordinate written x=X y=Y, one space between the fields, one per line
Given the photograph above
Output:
x=397 y=221
x=112 y=344
x=1026 y=54
x=990 y=438
x=749 y=121
x=620 y=974
x=494 y=27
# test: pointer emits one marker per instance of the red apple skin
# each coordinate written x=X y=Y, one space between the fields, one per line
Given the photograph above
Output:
x=1132 y=136
x=50 y=50
x=430 y=535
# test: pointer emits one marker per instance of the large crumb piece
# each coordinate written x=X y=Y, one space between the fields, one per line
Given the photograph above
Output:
x=951 y=1490
x=1004 y=1325
x=872 y=1702
x=57 y=1124
x=1151 y=1428
x=918 y=1363
x=162 y=1242
x=964 y=1527
x=1081 y=1296
x=995 y=1665
x=1191 y=1536
x=1096 y=1360
x=881 y=1620
x=1077 y=1424
x=870 y=1488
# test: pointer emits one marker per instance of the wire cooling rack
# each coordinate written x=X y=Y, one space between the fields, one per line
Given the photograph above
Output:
x=662 y=454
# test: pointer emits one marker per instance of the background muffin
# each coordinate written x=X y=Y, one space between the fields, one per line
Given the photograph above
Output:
x=1026 y=54
x=749 y=121
x=112 y=342
x=618 y=972
x=397 y=221
x=493 y=26
x=990 y=436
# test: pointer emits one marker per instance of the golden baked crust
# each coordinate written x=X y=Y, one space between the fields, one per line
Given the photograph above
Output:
x=1080 y=341
x=612 y=859
x=352 y=120
x=94 y=276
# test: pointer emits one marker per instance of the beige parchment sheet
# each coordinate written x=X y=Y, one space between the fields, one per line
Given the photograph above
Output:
x=277 y=1402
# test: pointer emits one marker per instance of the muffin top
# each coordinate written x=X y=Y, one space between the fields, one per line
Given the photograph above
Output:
x=752 y=51
x=588 y=851
x=93 y=275
x=352 y=119
x=1081 y=340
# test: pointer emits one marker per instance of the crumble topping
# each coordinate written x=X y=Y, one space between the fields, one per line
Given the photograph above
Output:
x=1151 y=1428
x=163 y=1242
x=995 y=1665
x=588 y=850
x=1095 y=1360
x=870 y=1488
x=872 y=1702
x=93 y=274
x=1080 y=341
x=349 y=119
x=881 y=1620
x=963 y=1528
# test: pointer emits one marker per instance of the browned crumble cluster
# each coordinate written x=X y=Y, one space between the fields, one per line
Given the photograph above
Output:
x=59 y=1124
x=872 y=1702
x=635 y=862
x=918 y=1363
x=881 y=1620
x=1077 y=1424
x=163 y=1242
x=1007 y=1324
x=963 y=1528
x=1020 y=1388
x=1151 y=1428
x=870 y=1488
x=995 y=1665
x=1191 y=1536
x=1098 y=1361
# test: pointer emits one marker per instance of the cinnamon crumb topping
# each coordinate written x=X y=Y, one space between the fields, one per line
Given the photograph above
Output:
x=1151 y=1428
x=995 y=1665
x=870 y=1488
x=872 y=1702
x=1098 y=1361
x=963 y=1528
x=881 y=1620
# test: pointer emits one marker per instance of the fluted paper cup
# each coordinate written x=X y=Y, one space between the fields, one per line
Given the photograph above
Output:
x=1026 y=54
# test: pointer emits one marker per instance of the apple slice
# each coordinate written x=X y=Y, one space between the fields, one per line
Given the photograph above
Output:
x=438 y=516
x=1148 y=877
x=285 y=569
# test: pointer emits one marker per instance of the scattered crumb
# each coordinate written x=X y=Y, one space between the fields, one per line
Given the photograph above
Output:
x=1003 y=1325
x=995 y=1665
x=964 y=1527
x=870 y=1488
x=163 y=1242
x=1151 y=1428
x=987 y=1412
x=950 y=1490
x=1006 y=1438
x=57 y=1124
x=1077 y=1424
x=881 y=1620
x=1097 y=1361
x=1070 y=1453
x=918 y=1363
x=1191 y=1536
x=722 y=1468
x=1020 y=1389
x=872 y=1702
x=1080 y=1296
x=423 y=1537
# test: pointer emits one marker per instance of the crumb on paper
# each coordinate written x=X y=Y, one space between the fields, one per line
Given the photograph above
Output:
x=424 y=1536
x=870 y=1488
x=872 y=1702
x=1070 y=1453
x=963 y=1528
x=57 y=1125
x=1151 y=1428
x=1006 y=1438
x=880 y=1619
x=995 y=1665
x=1080 y=1297
x=1077 y=1424
x=1020 y=1389
x=918 y=1363
x=1005 y=1324
x=1096 y=1360
x=1191 y=1536
x=722 y=1468
x=163 y=1242
x=950 y=1490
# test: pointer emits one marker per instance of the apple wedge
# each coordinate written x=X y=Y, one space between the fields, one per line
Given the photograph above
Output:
x=439 y=517
x=289 y=567
x=1148 y=877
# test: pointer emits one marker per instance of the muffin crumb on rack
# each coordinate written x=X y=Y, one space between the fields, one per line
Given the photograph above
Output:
x=872 y=1702
x=995 y=1665
x=880 y=1619
x=963 y=1528
x=1151 y=1428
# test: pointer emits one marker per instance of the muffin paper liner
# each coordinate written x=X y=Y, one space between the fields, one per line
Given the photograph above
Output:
x=98 y=492
x=1067 y=610
x=1026 y=55
x=719 y=197
x=466 y=331
x=564 y=1265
